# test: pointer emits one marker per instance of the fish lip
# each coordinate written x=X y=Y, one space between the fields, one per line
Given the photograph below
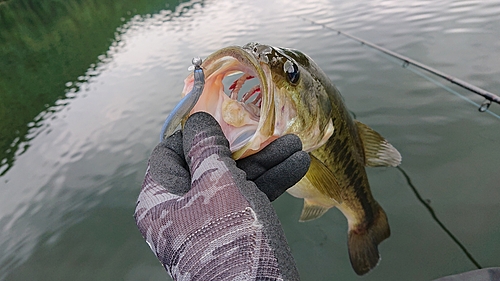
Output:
x=244 y=59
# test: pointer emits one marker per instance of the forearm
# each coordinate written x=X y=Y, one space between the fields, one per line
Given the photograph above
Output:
x=201 y=216
x=222 y=245
x=228 y=240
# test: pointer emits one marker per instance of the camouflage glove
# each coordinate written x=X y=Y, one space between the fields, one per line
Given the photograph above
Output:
x=204 y=219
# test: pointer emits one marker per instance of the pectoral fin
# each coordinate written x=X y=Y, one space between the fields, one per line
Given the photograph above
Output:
x=378 y=151
x=323 y=180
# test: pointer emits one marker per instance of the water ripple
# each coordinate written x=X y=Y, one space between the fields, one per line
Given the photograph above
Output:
x=89 y=149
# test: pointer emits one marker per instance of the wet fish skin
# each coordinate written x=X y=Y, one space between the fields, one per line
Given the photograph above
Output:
x=344 y=156
x=368 y=225
x=299 y=98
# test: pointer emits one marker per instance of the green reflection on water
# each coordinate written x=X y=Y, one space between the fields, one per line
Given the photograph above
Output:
x=43 y=45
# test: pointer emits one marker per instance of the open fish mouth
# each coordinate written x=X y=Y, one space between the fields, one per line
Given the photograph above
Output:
x=237 y=94
x=258 y=93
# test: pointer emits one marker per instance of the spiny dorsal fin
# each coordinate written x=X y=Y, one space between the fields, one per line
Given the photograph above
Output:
x=323 y=179
x=311 y=211
x=378 y=151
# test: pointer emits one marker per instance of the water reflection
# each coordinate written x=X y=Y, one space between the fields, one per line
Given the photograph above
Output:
x=99 y=94
x=52 y=54
x=46 y=48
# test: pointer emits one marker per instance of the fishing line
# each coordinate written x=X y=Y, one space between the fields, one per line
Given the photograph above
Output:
x=489 y=97
x=434 y=216
x=450 y=90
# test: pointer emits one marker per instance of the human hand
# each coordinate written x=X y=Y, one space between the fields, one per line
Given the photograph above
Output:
x=205 y=218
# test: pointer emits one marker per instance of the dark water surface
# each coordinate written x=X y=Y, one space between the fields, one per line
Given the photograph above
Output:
x=86 y=85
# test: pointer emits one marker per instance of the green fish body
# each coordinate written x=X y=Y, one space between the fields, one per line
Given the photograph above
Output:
x=293 y=95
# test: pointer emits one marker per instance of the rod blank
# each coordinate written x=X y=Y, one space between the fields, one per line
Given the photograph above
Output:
x=406 y=61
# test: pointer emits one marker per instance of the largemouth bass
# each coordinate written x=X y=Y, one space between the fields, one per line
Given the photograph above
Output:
x=292 y=95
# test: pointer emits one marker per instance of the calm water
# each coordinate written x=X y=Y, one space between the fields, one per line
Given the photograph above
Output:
x=86 y=85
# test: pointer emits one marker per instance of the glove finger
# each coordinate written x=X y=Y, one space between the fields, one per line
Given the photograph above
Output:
x=279 y=178
x=273 y=154
x=203 y=137
x=168 y=167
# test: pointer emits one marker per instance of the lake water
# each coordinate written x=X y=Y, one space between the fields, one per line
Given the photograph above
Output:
x=85 y=87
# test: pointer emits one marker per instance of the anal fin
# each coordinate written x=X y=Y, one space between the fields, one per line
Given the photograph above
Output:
x=311 y=211
x=378 y=151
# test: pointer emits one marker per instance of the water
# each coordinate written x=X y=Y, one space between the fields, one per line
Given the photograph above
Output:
x=86 y=85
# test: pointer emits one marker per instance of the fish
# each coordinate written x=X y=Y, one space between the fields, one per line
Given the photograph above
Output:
x=292 y=95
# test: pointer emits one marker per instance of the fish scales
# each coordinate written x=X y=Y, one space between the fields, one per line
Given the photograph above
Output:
x=297 y=97
x=343 y=154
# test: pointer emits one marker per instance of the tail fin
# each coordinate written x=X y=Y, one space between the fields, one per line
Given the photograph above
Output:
x=363 y=242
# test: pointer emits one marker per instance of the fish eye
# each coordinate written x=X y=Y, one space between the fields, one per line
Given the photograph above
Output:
x=292 y=71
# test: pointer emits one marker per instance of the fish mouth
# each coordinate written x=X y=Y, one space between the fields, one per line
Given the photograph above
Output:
x=237 y=94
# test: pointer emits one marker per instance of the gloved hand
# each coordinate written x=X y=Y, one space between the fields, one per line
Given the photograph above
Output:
x=207 y=217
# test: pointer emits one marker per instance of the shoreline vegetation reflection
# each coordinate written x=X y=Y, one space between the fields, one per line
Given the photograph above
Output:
x=48 y=49
x=52 y=50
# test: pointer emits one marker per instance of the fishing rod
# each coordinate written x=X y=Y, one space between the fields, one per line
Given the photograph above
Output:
x=489 y=97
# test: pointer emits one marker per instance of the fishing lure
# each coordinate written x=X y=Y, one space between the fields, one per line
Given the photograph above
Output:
x=187 y=103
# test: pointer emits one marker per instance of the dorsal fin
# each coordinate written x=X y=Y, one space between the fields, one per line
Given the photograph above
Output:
x=378 y=151
x=323 y=179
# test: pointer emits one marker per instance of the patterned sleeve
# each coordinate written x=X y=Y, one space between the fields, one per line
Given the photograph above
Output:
x=217 y=230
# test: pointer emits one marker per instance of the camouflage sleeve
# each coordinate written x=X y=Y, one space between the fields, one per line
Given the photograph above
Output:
x=223 y=228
